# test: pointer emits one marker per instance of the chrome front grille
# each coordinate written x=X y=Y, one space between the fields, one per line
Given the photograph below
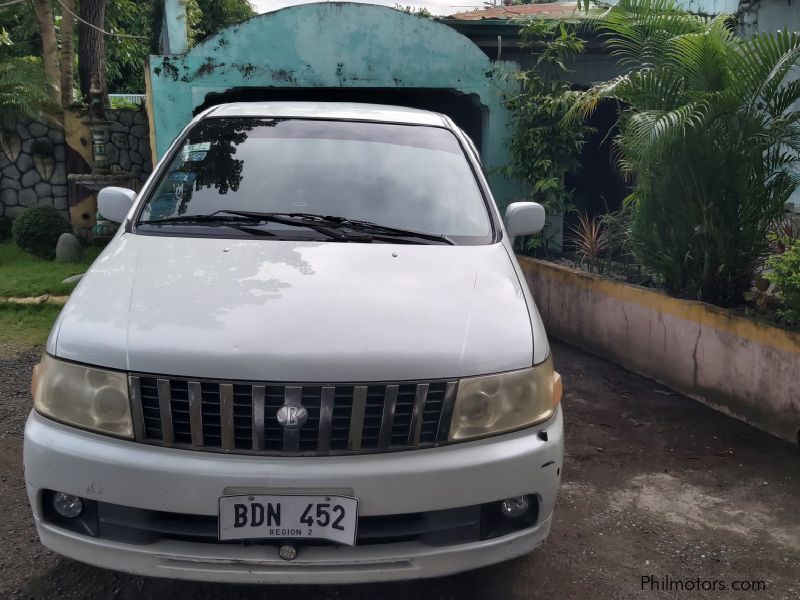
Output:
x=238 y=417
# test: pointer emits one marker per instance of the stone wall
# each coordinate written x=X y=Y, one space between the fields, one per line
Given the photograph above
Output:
x=128 y=144
x=35 y=160
x=32 y=166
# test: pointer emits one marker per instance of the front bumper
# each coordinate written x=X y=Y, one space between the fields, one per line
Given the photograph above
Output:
x=119 y=472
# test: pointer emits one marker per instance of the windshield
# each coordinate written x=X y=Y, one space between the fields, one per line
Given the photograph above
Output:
x=400 y=176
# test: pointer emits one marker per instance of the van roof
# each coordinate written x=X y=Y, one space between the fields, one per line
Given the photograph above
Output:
x=330 y=110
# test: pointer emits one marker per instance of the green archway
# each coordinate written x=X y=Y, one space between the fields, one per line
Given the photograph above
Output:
x=333 y=46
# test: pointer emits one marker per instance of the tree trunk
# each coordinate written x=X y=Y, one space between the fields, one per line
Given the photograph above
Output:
x=67 y=28
x=92 y=48
x=44 y=17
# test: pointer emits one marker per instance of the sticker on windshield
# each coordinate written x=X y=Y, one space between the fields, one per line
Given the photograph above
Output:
x=181 y=176
x=195 y=156
x=201 y=147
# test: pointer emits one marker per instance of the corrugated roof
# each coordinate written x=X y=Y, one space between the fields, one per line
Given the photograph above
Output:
x=507 y=13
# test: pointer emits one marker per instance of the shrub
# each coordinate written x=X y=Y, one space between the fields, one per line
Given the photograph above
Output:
x=706 y=127
x=37 y=229
x=785 y=274
x=5 y=228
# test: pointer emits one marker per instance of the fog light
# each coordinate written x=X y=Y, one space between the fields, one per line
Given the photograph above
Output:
x=67 y=506
x=514 y=507
x=287 y=552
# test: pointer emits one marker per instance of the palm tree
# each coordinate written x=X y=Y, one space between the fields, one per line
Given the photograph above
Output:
x=708 y=133
x=23 y=88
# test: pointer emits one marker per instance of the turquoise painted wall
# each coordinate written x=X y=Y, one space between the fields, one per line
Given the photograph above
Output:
x=175 y=32
x=334 y=45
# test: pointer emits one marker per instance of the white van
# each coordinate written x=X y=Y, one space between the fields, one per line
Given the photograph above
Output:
x=308 y=356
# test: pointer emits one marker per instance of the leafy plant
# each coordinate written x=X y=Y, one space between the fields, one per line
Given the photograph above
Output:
x=709 y=134
x=589 y=240
x=544 y=146
x=784 y=233
x=785 y=274
x=37 y=229
x=23 y=85
x=126 y=56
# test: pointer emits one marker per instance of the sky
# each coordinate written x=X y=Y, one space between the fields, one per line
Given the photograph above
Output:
x=437 y=7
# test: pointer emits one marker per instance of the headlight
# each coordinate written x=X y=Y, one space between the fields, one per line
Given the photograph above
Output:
x=494 y=404
x=86 y=397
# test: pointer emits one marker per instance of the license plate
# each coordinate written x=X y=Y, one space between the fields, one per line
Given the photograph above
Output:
x=256 y=516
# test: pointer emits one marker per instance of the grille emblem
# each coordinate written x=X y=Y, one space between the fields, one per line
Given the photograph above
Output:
x=292 y=417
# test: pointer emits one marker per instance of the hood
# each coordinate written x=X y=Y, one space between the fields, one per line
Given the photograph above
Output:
x=289 y=311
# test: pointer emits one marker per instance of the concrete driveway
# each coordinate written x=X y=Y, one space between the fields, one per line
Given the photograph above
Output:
x=656 y=489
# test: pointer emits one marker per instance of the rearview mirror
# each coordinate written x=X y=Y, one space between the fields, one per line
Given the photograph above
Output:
x=114 y=203
x=524 y=218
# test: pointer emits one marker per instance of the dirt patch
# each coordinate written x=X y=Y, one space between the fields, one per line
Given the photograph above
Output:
x=15 y=397
x=654 y=485
x=44 y=298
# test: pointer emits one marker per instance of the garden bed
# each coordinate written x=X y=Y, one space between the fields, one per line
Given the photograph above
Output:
x=740 y=366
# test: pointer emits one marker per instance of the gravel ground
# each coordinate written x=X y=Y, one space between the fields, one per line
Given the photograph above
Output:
x=654 y=485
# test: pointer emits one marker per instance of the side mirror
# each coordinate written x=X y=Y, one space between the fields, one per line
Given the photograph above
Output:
x=524 y=218
x=114 y=203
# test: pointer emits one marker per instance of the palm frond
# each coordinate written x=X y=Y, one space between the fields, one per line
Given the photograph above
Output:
x=702 y=58
x=783 y=98
x=637 y=31
x=764 y=62
x=650 y=132
x=23 y=89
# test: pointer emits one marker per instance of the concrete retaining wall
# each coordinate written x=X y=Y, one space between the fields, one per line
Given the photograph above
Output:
x=742 y=367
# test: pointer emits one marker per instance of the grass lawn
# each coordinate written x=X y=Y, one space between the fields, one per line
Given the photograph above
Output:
x=22 y=274
x=23 y=326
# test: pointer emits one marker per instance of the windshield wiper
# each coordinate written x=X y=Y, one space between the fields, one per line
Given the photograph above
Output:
x=396 y=232
x=327 y=225
x=231 y=217
x=314 y=221
x=216 y=217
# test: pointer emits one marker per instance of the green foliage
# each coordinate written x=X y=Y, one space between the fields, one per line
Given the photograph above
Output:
x=123 y=104
x=37 y=229
x=23 y=86
x=785 y=274
x=206 y=17
x=545 y=147
x=420 y=12
x=5 y=228
x=125 y=57
x=708 y=134
x=20 y=27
